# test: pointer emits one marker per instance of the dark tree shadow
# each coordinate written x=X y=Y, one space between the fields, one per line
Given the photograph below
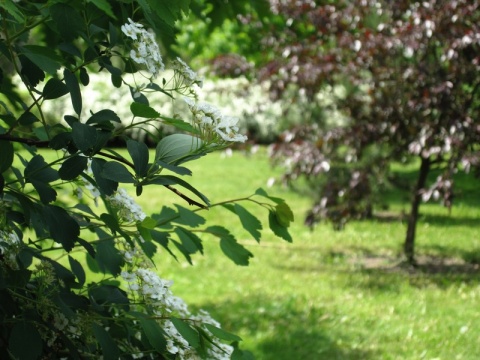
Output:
x=297 y=332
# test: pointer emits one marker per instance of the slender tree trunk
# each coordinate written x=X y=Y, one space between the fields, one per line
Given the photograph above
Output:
x=409 y=244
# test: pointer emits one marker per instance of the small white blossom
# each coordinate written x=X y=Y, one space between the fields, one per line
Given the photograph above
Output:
x=146 y=51
x=188 y=76
x=126 y=207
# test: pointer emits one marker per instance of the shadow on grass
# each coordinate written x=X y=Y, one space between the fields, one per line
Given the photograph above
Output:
x=285 y=328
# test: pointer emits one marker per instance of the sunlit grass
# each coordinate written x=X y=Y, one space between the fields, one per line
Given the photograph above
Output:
x=333 y=295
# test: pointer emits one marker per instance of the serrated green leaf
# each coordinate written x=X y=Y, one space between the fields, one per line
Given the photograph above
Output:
x=277 y=228
x=6 y=159
x=46 y=193
x=249 y=222
x=229 y=245
x=169 y=11
x=106 y=186
x=284 y=214
x=72 y=167
x=221 y=334
x=139 y=153
x=110 y=349
x=188 y=217
x=67 y=20
x=104 y=6
x=12 y=9
x=109 y=257
x=43 y=57
x=176 y=148
x=23 y=333
x=84 y=136
x=190 y=241
x=54 y=89
x=115 y=171
x=63 y=228
x=38 y=170
x=74 y=88
x=30 y=71
x=187 y=332
x=154 y=334
x=143 y=110
x=263 y=193
x=77 y=269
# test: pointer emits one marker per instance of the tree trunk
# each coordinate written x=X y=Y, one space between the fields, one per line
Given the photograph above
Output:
x=408 y=247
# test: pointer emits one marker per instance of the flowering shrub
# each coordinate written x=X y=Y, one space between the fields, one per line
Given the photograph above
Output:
x=77 y=279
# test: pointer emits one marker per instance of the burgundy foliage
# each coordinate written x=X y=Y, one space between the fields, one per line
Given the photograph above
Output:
x=410 y=72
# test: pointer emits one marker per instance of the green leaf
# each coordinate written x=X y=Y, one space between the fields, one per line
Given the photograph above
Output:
x=277 y=228
x=77 y=269
x=173 y=180
x=143 y=110
x=169 y=10
x=24 y=333
x=188 y=217
x=180 y=170
x=154 y=334
x=221 y=334
x=117 y=172
x=103 y=116
x=63 y=228
x=27 y=118
x=84 y=136
x=139 y=153
x=46 y=192
x=106 y=186
x=190 y=241
x=44 y=57
x=73 y=86
x=38 y=170
x=236 y=252
x=33 y=74
x=187 y=332
x=72 y=167
x=12 y=9
x=180 y=125
x=54 y=89
x=249 y=222
x=284 y=214
x=263 y=193
x=84 y=77
x=68 y=21
x=177 y=147
x=109 y=257
x=6 y=159
x=110 y=349
x=104 y=6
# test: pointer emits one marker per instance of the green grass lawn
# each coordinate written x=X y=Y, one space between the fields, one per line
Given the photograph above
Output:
x=334 y=295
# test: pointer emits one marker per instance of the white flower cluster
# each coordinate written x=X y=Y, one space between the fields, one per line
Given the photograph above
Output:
x=210 y=119
x=187 y=76
x=127 y=209
x=156 y=292
x=9 y=246
x=146 y=50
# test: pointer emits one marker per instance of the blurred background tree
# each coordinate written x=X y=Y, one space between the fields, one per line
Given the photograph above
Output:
x=402 y=78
